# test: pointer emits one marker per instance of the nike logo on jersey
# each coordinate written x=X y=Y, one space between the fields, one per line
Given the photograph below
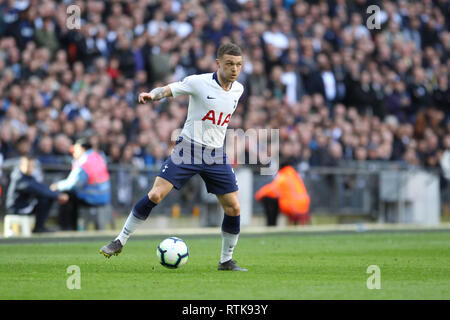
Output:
x=208 y=97
x=165 y=167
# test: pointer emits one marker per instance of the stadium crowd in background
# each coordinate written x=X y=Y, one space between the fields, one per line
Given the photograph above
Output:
x=335 y=89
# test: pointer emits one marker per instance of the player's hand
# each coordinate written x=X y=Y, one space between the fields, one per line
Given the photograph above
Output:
x=63 y=197
x=53 y=187
x=145 y=96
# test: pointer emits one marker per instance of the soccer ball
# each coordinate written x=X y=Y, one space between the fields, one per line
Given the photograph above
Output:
x=172 y=252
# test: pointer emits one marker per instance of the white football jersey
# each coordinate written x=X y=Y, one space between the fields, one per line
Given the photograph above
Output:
x=210 y=107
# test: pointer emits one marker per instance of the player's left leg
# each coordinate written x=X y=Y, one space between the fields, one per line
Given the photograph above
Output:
x=171 y=175
x=230 y=230
x=139 y=213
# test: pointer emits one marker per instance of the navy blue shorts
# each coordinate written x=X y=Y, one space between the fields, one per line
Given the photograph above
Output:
x=188 y=159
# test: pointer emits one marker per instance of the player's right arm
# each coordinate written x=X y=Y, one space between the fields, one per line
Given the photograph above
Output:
x=174 y=89
x=155 y=95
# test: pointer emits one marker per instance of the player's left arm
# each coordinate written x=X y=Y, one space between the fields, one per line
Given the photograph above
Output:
x=156 y=94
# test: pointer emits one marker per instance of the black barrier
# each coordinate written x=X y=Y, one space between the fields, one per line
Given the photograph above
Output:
x=350 y=189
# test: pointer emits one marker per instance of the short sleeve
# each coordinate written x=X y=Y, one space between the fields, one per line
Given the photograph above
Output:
x=183 y=87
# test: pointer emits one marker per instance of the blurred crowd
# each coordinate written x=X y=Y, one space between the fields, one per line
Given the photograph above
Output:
x=336 y=89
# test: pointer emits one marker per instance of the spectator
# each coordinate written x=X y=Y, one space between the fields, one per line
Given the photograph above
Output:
x=275 y=83
x=22 y=29
x=292 y=79
x=88 y=183
x=46 y=36
x=257 y=80
x=160 y=62
x=22 y=146
x=27 y=196
x=125 y=56
x=363 y=96
x=276 y=37
x=398 y=102
x=63 y=84
x=441 y=94
x=45 y=153
x=419 y=91
x=361 y=154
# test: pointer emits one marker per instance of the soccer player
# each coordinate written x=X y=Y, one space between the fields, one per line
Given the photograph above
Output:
x=213 y=97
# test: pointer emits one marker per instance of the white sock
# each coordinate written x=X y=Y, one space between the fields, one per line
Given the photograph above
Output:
x=229 y=241
x=129 y=227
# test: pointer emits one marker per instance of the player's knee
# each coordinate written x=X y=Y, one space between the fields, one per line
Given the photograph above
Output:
x=155 y=196
x=233 y=209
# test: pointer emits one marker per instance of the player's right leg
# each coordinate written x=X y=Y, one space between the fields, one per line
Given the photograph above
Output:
x=230 y=230
x=139 y=213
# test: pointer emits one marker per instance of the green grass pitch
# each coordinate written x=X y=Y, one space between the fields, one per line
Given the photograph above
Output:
x=413 y=265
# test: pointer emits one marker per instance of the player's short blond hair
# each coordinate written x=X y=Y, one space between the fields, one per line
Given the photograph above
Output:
x=229 y=48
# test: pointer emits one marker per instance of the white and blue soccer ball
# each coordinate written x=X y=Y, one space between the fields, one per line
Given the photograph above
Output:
x=172 y=252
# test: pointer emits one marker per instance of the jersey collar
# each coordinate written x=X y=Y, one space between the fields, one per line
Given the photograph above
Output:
x=217 y=80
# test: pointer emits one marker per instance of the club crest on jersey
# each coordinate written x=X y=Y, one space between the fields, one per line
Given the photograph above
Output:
x=221 y=120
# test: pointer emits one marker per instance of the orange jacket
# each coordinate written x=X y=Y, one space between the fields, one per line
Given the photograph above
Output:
x=288 y=187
